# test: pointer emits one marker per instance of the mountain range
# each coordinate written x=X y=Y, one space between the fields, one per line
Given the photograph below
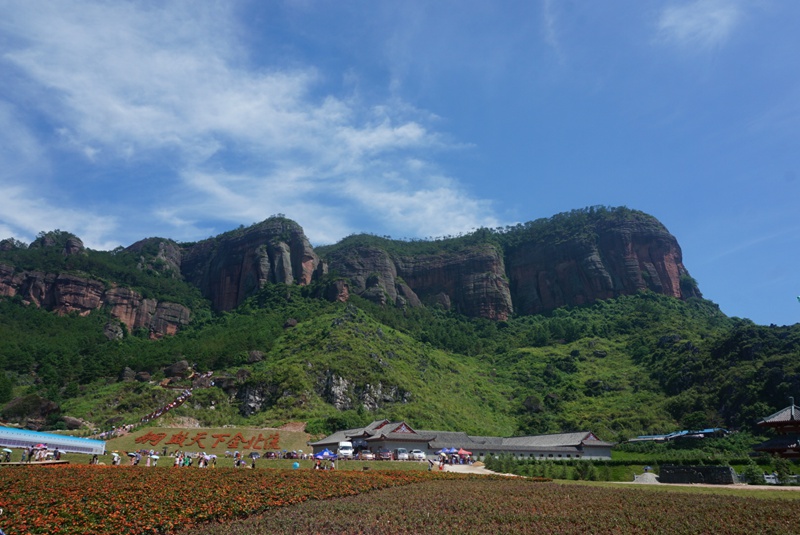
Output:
x=587 y=319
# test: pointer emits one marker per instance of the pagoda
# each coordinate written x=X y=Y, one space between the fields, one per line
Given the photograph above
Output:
x=786 y=423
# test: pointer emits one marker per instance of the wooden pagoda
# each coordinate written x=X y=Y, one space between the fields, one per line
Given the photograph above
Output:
x=786 y=423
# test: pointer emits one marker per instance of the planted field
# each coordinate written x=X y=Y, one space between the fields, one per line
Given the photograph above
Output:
x=519 y=506
x=101 y=500
x=123 y=500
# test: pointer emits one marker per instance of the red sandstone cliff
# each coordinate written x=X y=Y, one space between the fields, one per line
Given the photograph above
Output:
x=616 y=257
x=570 y=259
x=233 y=266
x=470 y=280
x=65 y=293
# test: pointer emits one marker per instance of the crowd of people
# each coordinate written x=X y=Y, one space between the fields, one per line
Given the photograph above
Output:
x=115 y=432
x=177 y=402
x=185 y=394
x=325 y=464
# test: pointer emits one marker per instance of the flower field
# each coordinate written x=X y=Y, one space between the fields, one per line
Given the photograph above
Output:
x=516 y=506
x=101 y=500
x=121 y=500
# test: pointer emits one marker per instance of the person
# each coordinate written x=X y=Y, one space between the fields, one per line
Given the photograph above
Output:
x=430 y=465
x=333 y=465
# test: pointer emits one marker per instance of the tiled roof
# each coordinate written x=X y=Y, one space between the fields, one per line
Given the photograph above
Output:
x=382 y=430
x=789 y=414
x=783 y=442
x=338 y=436
x=487 y=440
x=545 y=441
x=415 y=437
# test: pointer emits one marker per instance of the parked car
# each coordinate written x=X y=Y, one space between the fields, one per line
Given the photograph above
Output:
x=366 y=455
x=416 y=455
x=401 y=454
x=385 y=454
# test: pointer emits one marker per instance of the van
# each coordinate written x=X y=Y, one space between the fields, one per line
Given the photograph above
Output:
x=401 y=454
x=345 y=450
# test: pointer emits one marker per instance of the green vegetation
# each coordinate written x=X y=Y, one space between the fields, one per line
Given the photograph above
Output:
x=638 y=364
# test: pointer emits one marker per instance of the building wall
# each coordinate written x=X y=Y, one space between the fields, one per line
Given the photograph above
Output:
x=393 y=445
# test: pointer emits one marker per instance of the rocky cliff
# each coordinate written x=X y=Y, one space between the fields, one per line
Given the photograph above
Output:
x=615 y=257
x=470 y=279
x=65 y=293
x=570 y=259
x=233 y=266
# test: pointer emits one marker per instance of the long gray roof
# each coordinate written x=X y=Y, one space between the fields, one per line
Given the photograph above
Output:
x=383 y=430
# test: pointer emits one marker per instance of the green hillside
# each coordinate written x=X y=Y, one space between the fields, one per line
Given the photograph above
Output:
x=637 y=364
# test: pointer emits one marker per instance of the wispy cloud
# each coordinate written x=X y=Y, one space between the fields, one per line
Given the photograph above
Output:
x=699 y=24
x=550 y=25
x=169 y=86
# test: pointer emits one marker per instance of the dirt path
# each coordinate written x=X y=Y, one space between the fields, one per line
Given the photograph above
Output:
x=478 y=468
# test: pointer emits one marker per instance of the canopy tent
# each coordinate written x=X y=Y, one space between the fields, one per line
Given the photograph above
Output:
x=462 y=451
x=325 y=454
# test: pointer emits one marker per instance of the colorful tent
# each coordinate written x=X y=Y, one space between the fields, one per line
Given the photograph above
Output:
x=462 y=451
x=325 y=454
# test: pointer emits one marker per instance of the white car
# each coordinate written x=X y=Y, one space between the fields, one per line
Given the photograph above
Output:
x=416 y=455
x=401 y=454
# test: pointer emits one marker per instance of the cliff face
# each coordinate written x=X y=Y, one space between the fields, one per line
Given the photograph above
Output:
x=470 y=280
x=232 y=267
x=618 y=259
x=570 y=260
x=65 y=293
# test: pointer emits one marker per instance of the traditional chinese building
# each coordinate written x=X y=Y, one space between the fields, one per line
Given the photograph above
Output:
x=786 y=423
x=392 y=435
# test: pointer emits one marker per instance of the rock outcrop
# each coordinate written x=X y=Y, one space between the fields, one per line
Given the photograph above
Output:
x=616 y=258
x=571 y=259
x=158 y=255
x=233 y=266
x=470 y=280
x=66 y=293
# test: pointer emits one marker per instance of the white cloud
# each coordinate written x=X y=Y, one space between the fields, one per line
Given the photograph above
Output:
x=699 y=24
x=550 y=25
x=439 y=210
x=169 y=85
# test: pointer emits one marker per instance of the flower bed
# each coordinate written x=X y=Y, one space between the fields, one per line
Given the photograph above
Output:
x=131 y=500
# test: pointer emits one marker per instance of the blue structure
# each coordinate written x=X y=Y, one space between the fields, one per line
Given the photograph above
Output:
x=22 y=438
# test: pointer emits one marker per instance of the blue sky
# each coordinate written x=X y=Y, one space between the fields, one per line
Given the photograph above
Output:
x=124 y=120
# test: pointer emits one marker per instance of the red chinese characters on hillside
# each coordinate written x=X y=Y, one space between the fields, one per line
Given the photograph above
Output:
x=203 y=441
